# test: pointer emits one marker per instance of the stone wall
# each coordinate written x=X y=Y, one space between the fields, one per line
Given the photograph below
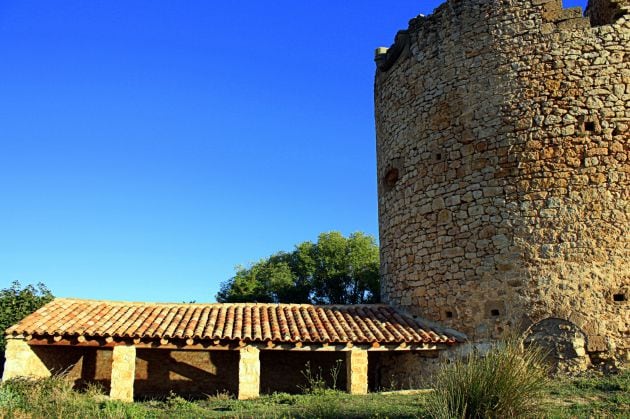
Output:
x=391 y=371
x=502 y=142
x=285 y=371
x=188 y=373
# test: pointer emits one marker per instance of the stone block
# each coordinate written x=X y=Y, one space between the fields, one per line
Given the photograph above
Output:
x=21 y=361
x=357 y=371
x=123 y=373
x=249 y=373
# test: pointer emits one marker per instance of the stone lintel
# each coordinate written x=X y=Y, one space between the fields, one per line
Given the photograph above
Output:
x=249 y=373
x=22 y=361
x=123 y=373
x=357 y=371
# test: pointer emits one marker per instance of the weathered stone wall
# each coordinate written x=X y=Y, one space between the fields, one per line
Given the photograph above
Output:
x=187 y=373
x=403 y=370
x=503 y=145
x=285 y=371
x=82 y=366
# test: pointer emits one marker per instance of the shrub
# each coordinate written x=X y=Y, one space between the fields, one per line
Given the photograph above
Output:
x=508 y=381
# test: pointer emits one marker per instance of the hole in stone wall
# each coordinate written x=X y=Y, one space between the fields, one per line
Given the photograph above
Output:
x=449 y=314
x=438 y=156
x=619 y=297
x=390 y=179
x=589 y=126
x=494 y=312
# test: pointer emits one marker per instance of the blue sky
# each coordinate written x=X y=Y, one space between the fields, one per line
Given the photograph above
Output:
x=148 y=147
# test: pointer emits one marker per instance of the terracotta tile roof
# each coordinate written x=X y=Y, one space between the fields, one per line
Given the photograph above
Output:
x=278 y=323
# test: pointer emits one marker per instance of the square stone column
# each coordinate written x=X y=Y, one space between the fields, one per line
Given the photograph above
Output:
x=249 y=373
x=357 y=371
x=123 y=373
x=21 y=361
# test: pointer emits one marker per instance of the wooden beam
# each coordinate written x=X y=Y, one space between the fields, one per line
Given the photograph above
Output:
x=218 y=345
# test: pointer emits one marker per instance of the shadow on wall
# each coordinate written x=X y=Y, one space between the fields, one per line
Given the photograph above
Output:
x=284 y=371
x=191 y=374
x=83 y=366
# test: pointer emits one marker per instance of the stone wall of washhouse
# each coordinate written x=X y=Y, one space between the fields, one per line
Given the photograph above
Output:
x=200 y=373
x=503 y=161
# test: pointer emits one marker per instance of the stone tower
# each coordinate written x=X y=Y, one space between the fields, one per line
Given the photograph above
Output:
x=503 y=137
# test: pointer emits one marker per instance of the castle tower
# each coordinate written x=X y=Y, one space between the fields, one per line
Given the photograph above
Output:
x=503 y=143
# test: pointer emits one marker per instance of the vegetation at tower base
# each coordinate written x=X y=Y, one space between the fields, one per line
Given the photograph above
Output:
x=16 y=302
x=508 y=381
x=334 y=270
x=504 y=174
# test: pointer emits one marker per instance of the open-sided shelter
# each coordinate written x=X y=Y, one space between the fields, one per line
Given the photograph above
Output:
x=150 y=349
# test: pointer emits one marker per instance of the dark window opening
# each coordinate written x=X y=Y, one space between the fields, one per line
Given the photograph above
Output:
x=449 y=314
x=494 y=313
x=589 y=126
x=390 y=179
x=619 y=297
x=438 y=156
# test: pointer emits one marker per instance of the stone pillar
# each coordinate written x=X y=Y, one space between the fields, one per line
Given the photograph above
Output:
x=21 y=361
x=249 y=373
x=123 y=373
x=357 y=371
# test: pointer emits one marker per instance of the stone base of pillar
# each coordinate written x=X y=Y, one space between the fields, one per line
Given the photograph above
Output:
x=249 y=373
x=21 y=361
x=357 y=371
x=123 y=373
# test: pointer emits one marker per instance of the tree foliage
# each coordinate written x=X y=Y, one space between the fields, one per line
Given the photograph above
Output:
x=334 y=270
x=17 y=302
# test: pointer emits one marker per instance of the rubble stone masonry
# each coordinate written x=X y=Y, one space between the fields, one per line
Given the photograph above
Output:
x=503 y=161
x=22 y=361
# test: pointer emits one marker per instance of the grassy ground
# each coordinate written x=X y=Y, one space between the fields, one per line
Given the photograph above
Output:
x=594 y=397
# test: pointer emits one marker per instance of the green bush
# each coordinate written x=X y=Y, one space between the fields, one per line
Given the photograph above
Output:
x=506 y=382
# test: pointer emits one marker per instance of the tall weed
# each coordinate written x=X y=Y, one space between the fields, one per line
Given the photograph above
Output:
x=506 y=382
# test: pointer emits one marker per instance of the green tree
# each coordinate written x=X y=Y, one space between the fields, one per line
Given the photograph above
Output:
x=17 y=302
x=334 y=270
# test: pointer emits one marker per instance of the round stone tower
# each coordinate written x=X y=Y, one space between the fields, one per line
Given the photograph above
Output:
x=504 y=175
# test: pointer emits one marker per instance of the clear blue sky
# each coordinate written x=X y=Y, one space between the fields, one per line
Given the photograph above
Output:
x=148 y=147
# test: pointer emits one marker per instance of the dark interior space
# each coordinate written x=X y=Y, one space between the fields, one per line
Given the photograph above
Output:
x=286 y=371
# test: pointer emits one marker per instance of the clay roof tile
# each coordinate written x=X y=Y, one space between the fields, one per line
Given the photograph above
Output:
x=278 y=323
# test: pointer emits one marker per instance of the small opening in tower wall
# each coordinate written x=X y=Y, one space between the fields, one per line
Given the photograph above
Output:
x=438 y=156
x=494 y=313
x=390 y=179
x=589 y=126
x=449 y=314
x=619 y=297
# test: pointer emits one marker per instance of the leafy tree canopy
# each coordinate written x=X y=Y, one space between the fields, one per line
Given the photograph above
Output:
x=335 y=270
x=17 y=302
